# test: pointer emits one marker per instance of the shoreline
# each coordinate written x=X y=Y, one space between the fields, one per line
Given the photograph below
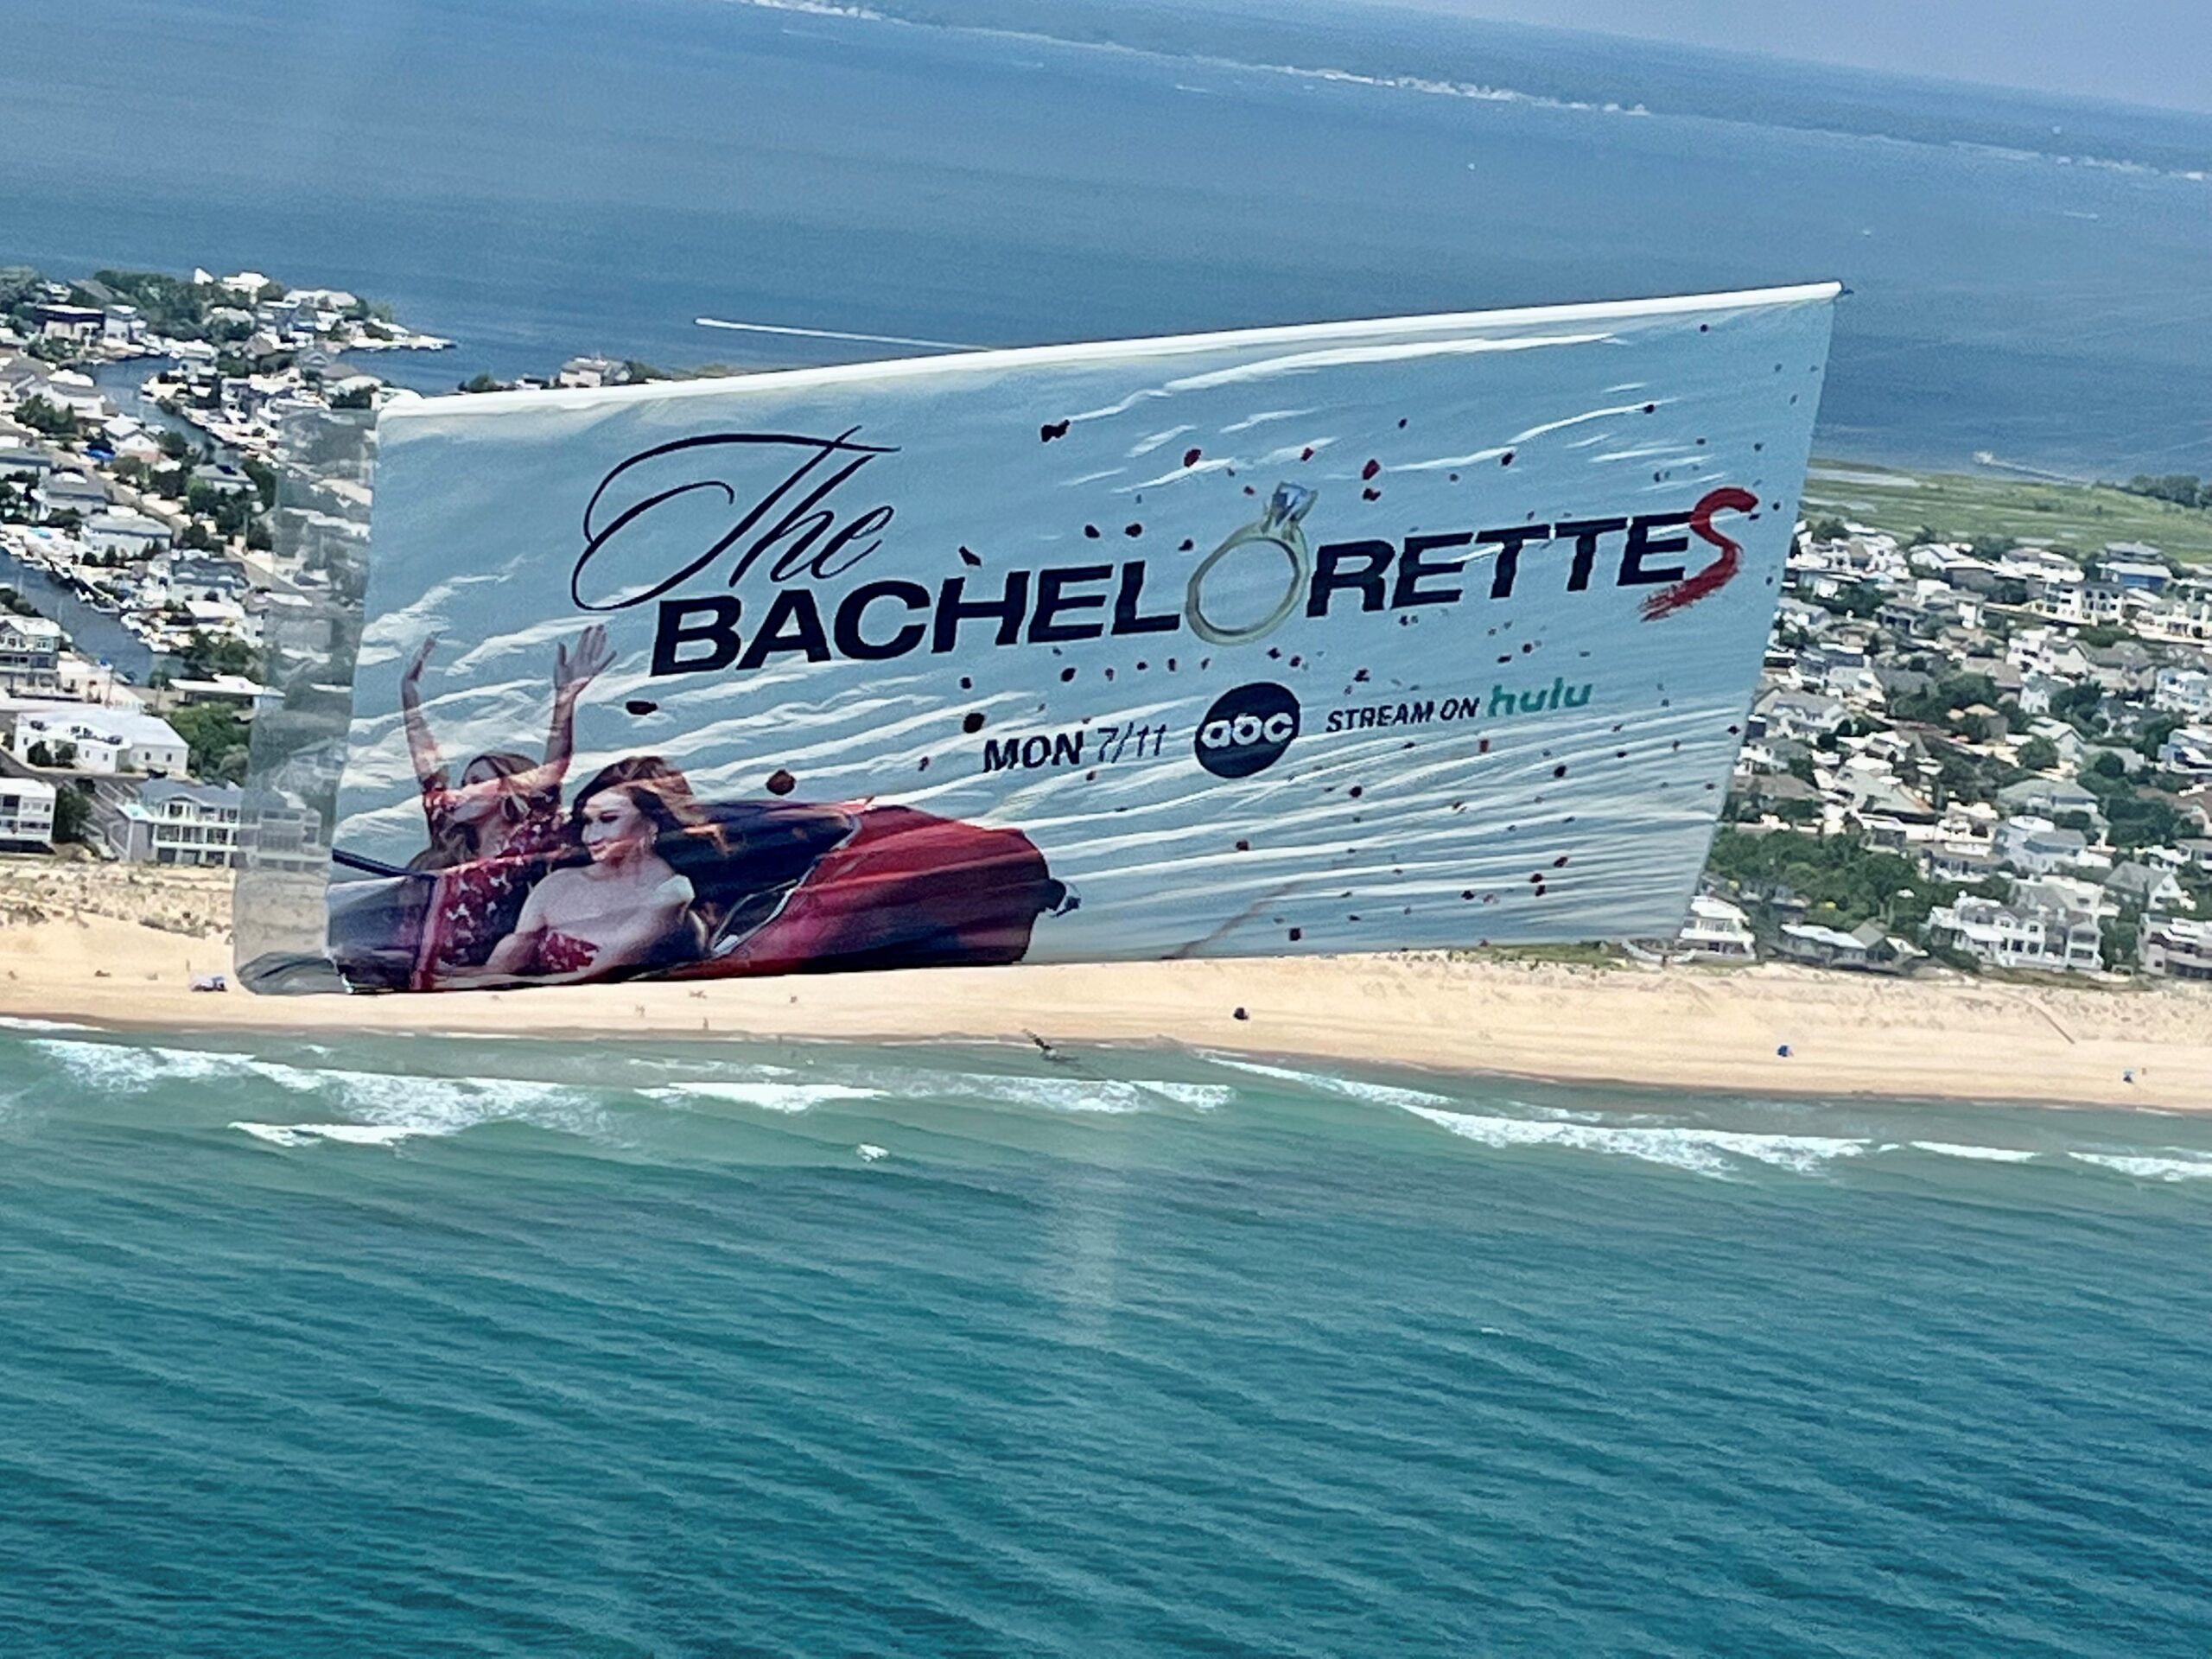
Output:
x=1697 y=1031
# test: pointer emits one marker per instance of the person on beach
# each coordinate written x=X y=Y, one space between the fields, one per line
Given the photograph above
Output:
x=494 y=834
x=625 y=908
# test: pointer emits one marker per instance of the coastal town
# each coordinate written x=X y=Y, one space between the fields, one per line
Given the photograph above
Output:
x=1980 y=754
x=1992 y=757
x=145 y=590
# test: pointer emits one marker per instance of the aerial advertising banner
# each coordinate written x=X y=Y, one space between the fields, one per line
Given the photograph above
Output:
x=1352 y=636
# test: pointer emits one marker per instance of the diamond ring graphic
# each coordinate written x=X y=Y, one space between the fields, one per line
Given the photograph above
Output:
x=1278 y=527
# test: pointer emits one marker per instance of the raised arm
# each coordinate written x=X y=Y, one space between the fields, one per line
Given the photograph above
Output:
x=572 y=672
x=420 y=744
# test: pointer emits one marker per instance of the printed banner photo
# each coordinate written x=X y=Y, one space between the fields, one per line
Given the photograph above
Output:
x=1345 y=638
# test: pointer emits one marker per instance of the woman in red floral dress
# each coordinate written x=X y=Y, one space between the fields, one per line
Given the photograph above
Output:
x=493 y=834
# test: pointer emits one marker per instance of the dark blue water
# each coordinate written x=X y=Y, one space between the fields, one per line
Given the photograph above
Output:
x=721 y=1349
x=2031 y=275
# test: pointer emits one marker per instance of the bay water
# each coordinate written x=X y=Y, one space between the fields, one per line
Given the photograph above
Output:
x=2031 y=276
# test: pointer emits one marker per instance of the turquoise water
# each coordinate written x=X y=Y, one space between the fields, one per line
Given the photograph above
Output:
x=618 y=1349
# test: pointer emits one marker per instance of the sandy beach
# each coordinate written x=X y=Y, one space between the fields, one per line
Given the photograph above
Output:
x=91 y=943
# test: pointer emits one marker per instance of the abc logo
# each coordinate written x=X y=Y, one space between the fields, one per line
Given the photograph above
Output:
x=1247 y=730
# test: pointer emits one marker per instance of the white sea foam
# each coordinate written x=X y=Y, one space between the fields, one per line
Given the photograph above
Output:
x=768 y=1097
x=30 y=1022
x=1053 y=1094
x=120 y=1068
x=870 y=1153
x=1069 y=1091
x=305 y=1135
x=2188 y=1167
x=1199 y=1096
x=1702 y=1152
x=413 y=1104
x=1379 y=1094
x=402 y=1102
x=1985 y=1154
x=1111 y=1095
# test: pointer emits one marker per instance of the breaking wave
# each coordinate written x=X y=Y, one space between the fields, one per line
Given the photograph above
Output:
x=359 y=1107
x=306 y=1134
x=1378 y=1094
x=1700 y=1151
x=769 y=1097
x=128 y=1068
x=413 y=1104
x=2188 y=1167
x=1982 y=1154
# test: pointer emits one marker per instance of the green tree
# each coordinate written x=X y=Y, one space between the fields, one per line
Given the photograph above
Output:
x=48 y=418
x=72 y=810
x=1843 y=879
x=1936 y=703
x=1859 y=601
x=2182 y=489
x=217 y=739
x=2154 y=733
x=2078 y=704
x=2119 y=937
x=207 y=655
x=2039 y=754
x=264 y=478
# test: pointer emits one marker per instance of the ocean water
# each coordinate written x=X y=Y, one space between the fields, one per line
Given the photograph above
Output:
x=461 y=1346
x=2030 y=276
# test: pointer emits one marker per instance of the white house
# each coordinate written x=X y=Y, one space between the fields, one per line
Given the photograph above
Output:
x=124 y=531
x=592 y=371
x=1716 y=931
x=2176 y=948
x=121 y=325
x=174 y=822
x=236 y=690
x=2188 y=750
x=26 y=812
x=30 y=653
x=72 y=492
x=78 y=324
x=24 y=462
x=2147 y=886
x=2183 y=691
x=2025 y=933
x=2038 y=846
x=106 y=740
